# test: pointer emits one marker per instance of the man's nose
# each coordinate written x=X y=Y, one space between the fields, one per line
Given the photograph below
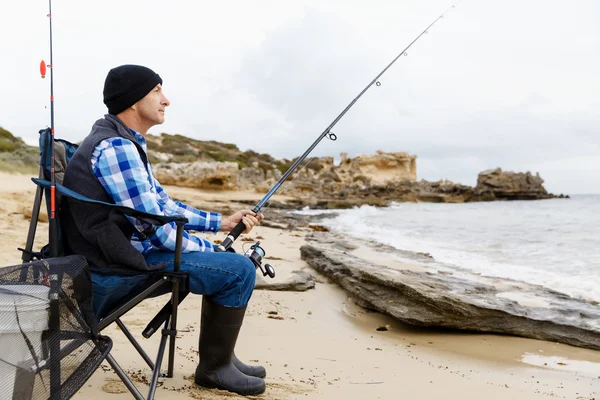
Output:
x=165 y=101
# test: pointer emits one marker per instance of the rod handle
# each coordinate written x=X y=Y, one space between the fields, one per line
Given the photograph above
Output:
x=235 y=232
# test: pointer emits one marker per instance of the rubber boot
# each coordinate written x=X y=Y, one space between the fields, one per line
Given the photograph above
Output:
x=253 y=370
x=219 y=330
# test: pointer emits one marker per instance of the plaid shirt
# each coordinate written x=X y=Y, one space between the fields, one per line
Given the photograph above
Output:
x=119 y=168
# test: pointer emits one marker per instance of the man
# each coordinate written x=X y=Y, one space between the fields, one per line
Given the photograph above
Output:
x=112 y=165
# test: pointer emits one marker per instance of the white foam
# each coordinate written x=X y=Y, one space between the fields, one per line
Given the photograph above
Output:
x=581 y=367
x=555 y=244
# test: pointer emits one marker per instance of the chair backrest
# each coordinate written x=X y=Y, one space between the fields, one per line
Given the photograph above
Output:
x=63 y=152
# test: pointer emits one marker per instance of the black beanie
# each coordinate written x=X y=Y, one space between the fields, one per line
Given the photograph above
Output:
x=126 y=85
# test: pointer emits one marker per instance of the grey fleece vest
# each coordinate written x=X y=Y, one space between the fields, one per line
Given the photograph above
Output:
x=100 y=234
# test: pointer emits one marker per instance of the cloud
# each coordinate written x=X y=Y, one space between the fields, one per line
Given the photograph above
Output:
x=487 y=87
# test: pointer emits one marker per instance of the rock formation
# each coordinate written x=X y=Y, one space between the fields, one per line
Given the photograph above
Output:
x=298 y=281
x=366 y=179
x=434 y=299
x=494 y=184
x=200 y=174
x=320 y=191
x=378 y=169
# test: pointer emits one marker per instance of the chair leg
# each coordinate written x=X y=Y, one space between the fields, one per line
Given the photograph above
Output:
x=126 y=381
x=135 y=343
x=170 y=331
x=35 y=214
x=173 y=327
x=24 y=382
x=159 y=358
x=54 y=325
x=160 y=318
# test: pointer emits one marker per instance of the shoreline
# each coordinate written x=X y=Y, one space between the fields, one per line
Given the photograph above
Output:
x=325 y=346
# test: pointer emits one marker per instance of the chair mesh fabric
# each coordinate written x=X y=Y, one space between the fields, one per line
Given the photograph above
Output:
x=48 y=335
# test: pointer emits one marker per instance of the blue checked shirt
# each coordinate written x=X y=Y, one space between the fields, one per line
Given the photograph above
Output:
x=119 y=168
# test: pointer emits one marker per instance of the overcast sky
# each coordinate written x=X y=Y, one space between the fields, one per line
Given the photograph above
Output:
x=511 y=84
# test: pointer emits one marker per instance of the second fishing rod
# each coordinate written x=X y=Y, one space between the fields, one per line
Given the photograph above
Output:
x=255 y=253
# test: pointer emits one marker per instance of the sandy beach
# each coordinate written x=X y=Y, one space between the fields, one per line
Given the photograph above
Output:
x=318 y=344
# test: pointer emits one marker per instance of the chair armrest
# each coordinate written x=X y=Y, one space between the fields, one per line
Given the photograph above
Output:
x=156 y=220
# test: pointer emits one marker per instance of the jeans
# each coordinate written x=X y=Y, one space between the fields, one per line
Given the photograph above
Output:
x=227 y=278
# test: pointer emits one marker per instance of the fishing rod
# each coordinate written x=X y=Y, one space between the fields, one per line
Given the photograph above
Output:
x=54 y=324
x=52 y=217
x=255 y=253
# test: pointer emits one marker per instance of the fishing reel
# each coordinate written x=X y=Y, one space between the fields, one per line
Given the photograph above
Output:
x=256 y=253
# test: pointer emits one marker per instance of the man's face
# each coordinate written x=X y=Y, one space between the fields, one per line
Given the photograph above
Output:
x=151 y=109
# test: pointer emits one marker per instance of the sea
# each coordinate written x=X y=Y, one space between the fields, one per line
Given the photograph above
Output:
x=554 y=243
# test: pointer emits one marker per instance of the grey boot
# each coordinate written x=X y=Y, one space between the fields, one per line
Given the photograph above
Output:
x=253 y=370
x=218 y=334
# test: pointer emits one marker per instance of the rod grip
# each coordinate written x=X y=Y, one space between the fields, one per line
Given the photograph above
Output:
x=235 y=232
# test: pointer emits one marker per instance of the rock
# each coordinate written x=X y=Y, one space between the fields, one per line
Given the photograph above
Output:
x=342 y=244
x=199 y=174
x=248 y=178
x=318 y=228
x=493 y=185
x=273 y=174
x=384 y=167
x=481 y=304
x=274 y=225
x=498 y=185
x=321 y=174
x=376 y=180
x=299 y=281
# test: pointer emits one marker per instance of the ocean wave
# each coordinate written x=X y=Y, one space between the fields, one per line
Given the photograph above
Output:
x=535 y=242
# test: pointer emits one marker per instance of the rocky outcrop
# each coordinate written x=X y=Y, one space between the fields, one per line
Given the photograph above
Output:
x=482 y=304
x=200 y=174
x=250 y=177
x=298 y=281
x=492 y=185
x=495 y=184
x=331 y=196
x=366 y=179
x=378 y=169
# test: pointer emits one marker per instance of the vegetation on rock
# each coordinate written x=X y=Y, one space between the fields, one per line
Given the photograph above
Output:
x=182 y=149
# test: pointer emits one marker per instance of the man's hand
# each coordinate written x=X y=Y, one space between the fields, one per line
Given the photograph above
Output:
x=249 y=218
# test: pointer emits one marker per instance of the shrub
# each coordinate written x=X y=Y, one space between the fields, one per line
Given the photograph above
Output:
x=7 y=147
x=8 y=142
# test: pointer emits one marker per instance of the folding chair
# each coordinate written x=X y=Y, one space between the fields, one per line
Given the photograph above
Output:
x=157 y=282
